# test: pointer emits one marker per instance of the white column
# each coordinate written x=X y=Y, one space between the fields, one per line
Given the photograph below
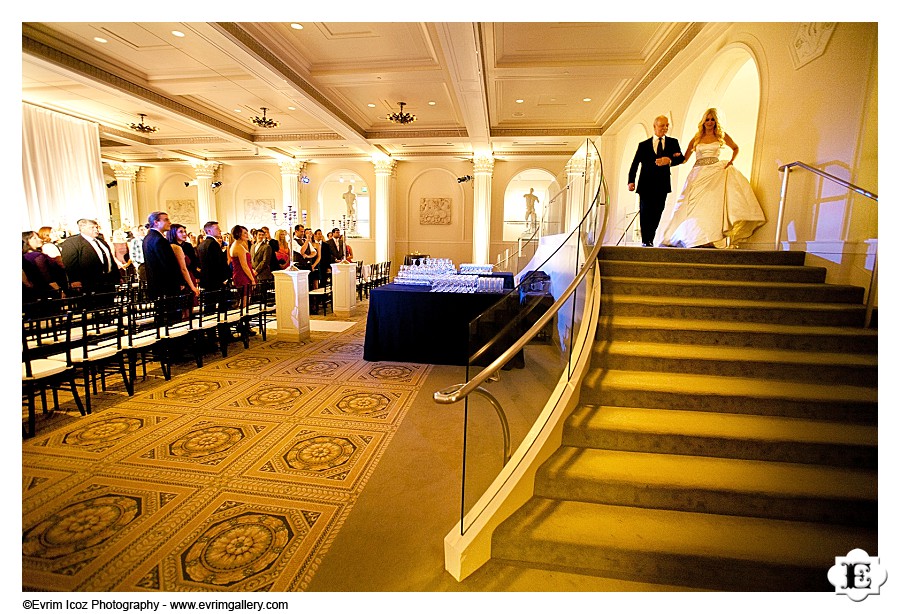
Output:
x=142 y=203
x=290 y=188
x=125 y=179
x=481 y=219
x=384 y=173
x=575 y=174
x=206 y=200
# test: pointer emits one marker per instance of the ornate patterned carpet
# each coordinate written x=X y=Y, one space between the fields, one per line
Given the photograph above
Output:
x=233 y=477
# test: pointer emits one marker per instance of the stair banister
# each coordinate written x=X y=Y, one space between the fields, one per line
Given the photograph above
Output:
x=786 y=169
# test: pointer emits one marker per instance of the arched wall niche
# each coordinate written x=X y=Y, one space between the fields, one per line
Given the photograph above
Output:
x=334 y=210
x=256 y=194
x=537 y=182
x=731 y=84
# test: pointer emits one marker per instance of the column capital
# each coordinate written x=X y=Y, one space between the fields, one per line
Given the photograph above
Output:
x=205 y=170
x=124 y=171
x=384 y=166
x=484 y=164
x=291 y=167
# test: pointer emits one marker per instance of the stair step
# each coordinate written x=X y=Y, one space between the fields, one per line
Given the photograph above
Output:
x=765 y=489
x=731 y=310
x=695 y=271
x=703 y=256
x=497 y=576
x=740 y=395
x=672 y=431
x=711 y=551
x=738 y=290
x=832 y=367
x=738 y=334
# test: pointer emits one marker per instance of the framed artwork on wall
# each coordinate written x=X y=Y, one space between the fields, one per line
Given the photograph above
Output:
x=183 y=212
x=434 y=211
x=258 y=212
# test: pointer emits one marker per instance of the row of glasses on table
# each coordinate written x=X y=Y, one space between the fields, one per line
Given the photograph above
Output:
x=441 y=276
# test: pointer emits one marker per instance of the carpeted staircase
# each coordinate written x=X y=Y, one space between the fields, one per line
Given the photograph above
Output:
x=726 y=437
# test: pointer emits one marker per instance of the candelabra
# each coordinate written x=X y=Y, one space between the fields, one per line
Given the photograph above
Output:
x=288 y=220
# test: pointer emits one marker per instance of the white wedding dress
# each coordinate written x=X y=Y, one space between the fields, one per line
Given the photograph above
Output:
x=716 y=203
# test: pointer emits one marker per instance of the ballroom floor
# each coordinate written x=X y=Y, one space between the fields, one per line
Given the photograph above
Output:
x=283 y=467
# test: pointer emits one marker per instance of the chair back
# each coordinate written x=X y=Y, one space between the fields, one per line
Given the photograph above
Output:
x=44 y=336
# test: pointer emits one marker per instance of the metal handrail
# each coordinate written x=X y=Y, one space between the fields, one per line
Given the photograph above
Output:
x=786 y=169
x=457 y=392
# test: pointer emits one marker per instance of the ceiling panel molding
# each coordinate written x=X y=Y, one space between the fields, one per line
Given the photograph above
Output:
x=687 y=35
x=99 y=76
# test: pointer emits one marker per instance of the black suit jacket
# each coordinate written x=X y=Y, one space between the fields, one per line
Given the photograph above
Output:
x=214 y=269
x=654 y=179
x=82 y=264
x=163 y=271
x=335 y=252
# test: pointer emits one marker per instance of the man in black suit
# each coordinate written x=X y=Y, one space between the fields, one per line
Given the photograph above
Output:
x=163 y=271
x=655 y=156
x=214 y=269
x=88 y=260
x=337 y=247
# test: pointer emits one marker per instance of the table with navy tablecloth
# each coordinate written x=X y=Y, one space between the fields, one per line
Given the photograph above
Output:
x=411 y=324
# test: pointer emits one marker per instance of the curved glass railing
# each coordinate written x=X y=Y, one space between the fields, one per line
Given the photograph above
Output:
x=529 y=340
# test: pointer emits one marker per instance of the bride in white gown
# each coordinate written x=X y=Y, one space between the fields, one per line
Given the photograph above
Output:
x=716 y=208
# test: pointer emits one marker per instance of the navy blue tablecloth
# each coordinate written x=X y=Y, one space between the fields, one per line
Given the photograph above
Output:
x=411 y=324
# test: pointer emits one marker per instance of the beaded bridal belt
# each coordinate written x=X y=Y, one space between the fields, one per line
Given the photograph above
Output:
x=705 y=161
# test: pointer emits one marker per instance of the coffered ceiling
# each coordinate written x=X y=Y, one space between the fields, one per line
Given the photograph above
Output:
x=515 y=89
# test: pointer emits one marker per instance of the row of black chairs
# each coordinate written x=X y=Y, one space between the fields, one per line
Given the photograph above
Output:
x=90 y=336
x=379 y=274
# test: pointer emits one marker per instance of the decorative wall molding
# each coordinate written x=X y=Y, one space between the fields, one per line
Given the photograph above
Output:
x=809 y=42
x=435 y=211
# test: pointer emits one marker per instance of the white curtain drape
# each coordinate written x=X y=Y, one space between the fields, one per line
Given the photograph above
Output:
x=61 y=171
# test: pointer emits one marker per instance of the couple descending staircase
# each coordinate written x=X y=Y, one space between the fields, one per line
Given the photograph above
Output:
x=726 y=437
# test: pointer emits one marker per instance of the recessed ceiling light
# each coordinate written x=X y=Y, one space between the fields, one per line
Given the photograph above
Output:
x=292 y=108
x=519 y=101
x=296 y=26
x=177 y=33
x=237 y=110
x=100 y=40
x=371 y=105
x=432 y=103
x=585 y=100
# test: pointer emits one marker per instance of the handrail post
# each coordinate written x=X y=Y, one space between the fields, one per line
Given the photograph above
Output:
x=873 y=286
x=784 y=185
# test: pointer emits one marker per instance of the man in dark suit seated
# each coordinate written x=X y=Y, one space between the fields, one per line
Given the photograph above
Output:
x=88 y=260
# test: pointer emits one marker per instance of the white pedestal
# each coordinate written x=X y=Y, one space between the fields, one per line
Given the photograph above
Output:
x=343 y=281
x=292 y=304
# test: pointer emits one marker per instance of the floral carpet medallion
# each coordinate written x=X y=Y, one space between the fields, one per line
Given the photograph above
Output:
x=232 y=477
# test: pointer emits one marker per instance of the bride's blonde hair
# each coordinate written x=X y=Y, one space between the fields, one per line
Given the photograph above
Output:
x=719 y=131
